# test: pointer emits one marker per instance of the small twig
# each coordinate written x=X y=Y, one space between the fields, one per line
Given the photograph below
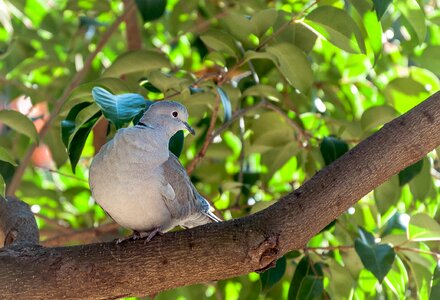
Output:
x=54 y=223
x=435 y=254
x=83 y=236
x=79 y=76
x=285 y=25
x=208 y=138
x=328 y=248
x=235 y=116
x=302 y=135
x=62 y=174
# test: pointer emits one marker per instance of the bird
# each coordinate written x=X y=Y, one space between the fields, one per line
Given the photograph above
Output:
x=141 y=184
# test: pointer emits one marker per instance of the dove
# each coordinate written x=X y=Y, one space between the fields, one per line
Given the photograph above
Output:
x=141 y=184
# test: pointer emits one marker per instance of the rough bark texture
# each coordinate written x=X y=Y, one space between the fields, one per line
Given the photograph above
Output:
x=17 y=223
x=227 y=249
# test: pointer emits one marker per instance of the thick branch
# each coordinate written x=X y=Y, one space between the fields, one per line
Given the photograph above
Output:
x=227 y=249
x=17 y=223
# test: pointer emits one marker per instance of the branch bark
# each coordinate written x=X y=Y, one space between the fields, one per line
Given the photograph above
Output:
x=243 y=245
x=17 y=223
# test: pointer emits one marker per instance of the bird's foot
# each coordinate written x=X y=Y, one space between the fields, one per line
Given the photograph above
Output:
x=138 y=235
x=150 y=234
x=135 y=236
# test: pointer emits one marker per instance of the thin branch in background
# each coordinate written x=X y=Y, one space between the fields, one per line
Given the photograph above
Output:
x=62 y=174
x=285 y=25
x=54 y=223
x=83 y=236
x=79 y=76
x=302 y=135
x=235 y=117
x=240 y=158
x=208 y=139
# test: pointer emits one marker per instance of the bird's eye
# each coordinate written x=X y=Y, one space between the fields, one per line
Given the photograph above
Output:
x=175 y=114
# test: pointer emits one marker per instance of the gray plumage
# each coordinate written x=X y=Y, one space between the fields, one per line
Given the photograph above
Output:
x=142 y=185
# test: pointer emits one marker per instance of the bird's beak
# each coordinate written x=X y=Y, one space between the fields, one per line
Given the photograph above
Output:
x=190 y=129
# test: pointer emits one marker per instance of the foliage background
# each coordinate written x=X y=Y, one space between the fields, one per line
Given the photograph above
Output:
x=275 y=89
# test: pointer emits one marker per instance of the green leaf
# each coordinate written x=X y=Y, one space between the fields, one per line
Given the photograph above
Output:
x=304 y=269
x=387 y=194
x=227 y=108
x=421 y=184
x=376 y=258
x=376 y=116
x=407 y=174
x=380 y=6
x=293 y=64
x=118 y=109
x=78 y=141
x=176 y=143
x=262 y=90
x=5 y=155
x=405 y=93
x=221 y=42
x=68 y=125
x=413 y=13
x=429 y=59
x=422 y=276
x=143 y=61
x=151 y=9
x=263 y=20
x=19 y=123
x=423 y=228
x=435 y=286
x=366 y=237
x=277 y=157
x=239 y=26
x=336 y=26
x=311 y=288
x=332 y=148
x=2 y=186
x=340 y=281
x=272 y=276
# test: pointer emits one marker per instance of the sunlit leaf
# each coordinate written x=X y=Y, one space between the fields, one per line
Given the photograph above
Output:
x=142 y=61
x=337 y=27
x=415 y=16
x=387 y=194
x=19 y=123
x=423 y=228
x=5 y=155
x=293 y=64
x=221 y=41
x=376 y=116
x=262 y=90
x=263 y=20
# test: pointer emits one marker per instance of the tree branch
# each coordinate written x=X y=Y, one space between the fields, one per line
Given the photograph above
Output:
x=222 y=250
x=17 y=223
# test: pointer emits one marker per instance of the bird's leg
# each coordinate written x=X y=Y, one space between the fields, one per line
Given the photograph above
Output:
x=136 y=235
x=150 y=234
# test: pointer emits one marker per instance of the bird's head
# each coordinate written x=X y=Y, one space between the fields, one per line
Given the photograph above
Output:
x=170 y=115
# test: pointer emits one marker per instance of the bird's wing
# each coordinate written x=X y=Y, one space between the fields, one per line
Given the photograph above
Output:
x=188 y=204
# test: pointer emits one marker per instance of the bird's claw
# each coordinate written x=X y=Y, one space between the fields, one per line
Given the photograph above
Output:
x=141 y=235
